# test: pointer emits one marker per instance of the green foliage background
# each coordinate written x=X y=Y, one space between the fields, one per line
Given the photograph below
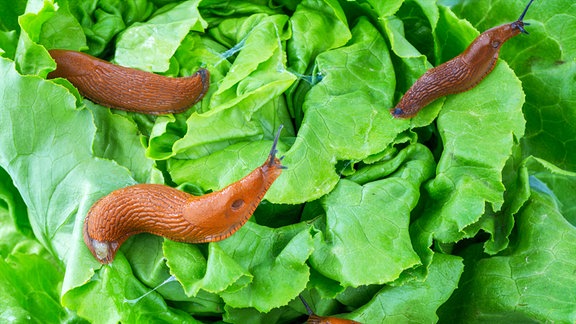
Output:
x=463 y=214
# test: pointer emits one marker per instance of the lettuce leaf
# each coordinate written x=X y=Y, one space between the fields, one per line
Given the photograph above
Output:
x=463 y=213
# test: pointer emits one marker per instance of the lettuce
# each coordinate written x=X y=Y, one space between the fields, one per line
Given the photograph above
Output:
x=464 y=213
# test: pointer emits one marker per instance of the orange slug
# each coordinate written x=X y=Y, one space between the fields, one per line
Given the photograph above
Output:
x=463 y=72
x=315 y=319
x=176 y=215
x=129 y=89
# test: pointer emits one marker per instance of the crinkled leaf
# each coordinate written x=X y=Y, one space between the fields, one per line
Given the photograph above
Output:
x=102 y=20
x=215 y=274
x=117 y=138
x=317 y=26
x=125 y=299
x=361 y=91
x=29 y=287
x=414 y=302
x=366 y=238
x=62 y=30
x=277 y=260
x=30 y=276
x=519 y=285
x=499 y=224
x=550 y=113
x=469 y=175
x=252 y=86
x=30 y=57
x=150 y=45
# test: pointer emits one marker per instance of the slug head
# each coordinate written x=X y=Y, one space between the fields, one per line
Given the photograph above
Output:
x=217 y=215
x=104 y=252
x=398 y=112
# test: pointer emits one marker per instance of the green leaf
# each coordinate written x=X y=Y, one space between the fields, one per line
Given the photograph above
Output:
x=499 y=224
x=277 y=260
x=30 y=278
x=414 y=302
x=469 y=175
x=62 y=30
x=125 y=299
x=150 y=45
x=510 y=287
x=220 y=272
x=117 y=138
x=29 y=289
x=366 y=238
x=248 y=92
x=544 y=61
x=550 y=129
x=102 y=20
x=30 y=57
x=14 y=207
x=317 y=26
x=352 y=98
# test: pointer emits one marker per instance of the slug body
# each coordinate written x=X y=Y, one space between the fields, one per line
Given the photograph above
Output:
x=168 y=212
x=315 y=319
x=129 y=89
x=462 y=73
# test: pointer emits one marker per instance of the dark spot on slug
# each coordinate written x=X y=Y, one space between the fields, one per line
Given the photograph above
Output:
x=237 y=204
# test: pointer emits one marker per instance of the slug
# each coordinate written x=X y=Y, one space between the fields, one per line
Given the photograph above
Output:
x=315 y=319
x=176 y=215
x=463 y=72
x=129 y=89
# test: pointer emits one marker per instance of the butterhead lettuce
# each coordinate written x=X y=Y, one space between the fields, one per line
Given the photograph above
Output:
x=464 y=213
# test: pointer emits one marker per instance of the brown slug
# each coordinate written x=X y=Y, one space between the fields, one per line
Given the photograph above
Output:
x=129 y=89
x=315 y=319
x=461 y=73
x=176 y=215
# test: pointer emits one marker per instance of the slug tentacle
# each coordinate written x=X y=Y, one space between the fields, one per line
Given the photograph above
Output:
x=129 y=89
x=463 y=72
x=168 y=212
x=315 y=319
